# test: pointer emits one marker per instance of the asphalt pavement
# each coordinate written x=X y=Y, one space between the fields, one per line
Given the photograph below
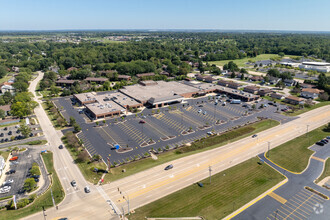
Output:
x=292 y=200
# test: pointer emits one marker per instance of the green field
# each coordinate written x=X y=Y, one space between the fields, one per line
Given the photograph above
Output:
x=229 y=190
x=5 y=79
x=44 y=200
x=326 y=171
x=144 y=164
x=241 y=62
x=294 y=155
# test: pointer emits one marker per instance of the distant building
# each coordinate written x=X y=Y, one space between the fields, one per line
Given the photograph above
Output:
x=310 y=93
x=305 y=86
x=124 y=77
x=317 y=66
x=294 y=100
x=7 y=88
x=256 y=78
x=251 y=89
x=277 y=96
x=274 y=80
x=99 y=80
x=290 y=82
x=264 y=92
x=65 y=82
x=164 y=73
x=145 y=75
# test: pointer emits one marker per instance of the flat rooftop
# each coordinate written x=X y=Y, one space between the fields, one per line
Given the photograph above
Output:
x=86 y=97
x=104 y=107
x=157 y=91
x=120 y=98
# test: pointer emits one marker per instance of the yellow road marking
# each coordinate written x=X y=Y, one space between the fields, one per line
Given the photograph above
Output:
x=109 y=135
x=277 y=197
x=298 y=207
x=319 y=159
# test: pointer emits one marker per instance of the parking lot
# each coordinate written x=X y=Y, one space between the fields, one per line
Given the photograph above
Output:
x=12 y=133
x=167 y=127
x=20 y=167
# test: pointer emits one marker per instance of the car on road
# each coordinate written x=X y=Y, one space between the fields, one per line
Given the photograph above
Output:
x=200 y=106
x=60 y=147
x=253 y=136
x=209 y=133
x=144 y=116
x=10 y=172
x=87 y=189
x=73 y=183
x=142 y=122
x=169 y=167
x=319 y=143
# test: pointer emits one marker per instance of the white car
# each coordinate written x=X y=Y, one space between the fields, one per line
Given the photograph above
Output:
x=210 y=133
x=204 y=113
x=200 y=111
x=10 y=181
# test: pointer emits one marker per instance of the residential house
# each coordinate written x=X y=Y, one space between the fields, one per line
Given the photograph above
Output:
x=15 y=69
x=199 y=77
x=7 y=88
x=310 y=93
x=6 y=108
x=209 y=79
x=294 y=100
x=290 y=82
x=274 y=80
x=124 y=77
x=264 y=92
x=98 y=80
x=144 y=75
x=305 y=86
x=65 y=82
x=256 y=78
x=277 y=96
x=165 y=73
x=251 y=89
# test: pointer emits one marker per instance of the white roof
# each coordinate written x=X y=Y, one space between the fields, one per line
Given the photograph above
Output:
x=316 y=63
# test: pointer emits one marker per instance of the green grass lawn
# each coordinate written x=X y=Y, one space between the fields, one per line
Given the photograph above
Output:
x=5 y=79
x=44 y=200
x=4 y=154
x=326 y=171
x=306 y=109
x=294 y=155
x=144 y=164
x=241 y=62
x=229 y=190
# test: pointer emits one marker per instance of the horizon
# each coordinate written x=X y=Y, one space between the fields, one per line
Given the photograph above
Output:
x=235 y=15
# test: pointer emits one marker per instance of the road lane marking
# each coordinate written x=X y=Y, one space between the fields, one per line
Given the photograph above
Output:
x=317 y=158
x=277 y=197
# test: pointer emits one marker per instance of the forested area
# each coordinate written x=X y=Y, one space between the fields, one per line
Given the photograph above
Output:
x=177 y=53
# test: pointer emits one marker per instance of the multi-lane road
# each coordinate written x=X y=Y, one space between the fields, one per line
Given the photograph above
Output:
x=154 y=183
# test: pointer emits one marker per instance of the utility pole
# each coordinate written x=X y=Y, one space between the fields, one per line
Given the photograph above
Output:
x=43 y=211
x=268 y=148
x=210 y=170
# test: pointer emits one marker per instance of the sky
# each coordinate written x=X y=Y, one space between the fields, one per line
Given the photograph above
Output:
x=297 y=15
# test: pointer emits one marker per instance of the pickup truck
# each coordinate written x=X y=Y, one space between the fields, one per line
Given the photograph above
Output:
x=13 y=158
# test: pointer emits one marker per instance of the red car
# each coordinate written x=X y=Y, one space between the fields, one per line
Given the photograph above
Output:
x=13 y=158
x=142 y=122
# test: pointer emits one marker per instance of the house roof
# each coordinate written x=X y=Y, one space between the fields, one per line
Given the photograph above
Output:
x=6 y=108
x=66 y=81
x=276 y=95
x=145 y=74
x=254 y=88
x=294 y=98
x=310 y=90
x=124 y=77
x=95 y=79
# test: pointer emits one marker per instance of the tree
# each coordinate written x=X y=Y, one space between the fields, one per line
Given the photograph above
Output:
x=322 y=81
x=3 y=71
x=243 y=71
x=233 y=75
x=96 y=157
x=280 y=85
x=72 y=120
x=324 y=96
x=29 y=184
x=54 y=91
x=2 y=114
x=76 y=127
x=281 y=54
x=83 y=156
x=25 y=130
x=22 y=109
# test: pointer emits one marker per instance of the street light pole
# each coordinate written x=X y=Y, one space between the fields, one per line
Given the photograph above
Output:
x=307 y=134
x=210 y=170
x=268 y=148
x=127 y=200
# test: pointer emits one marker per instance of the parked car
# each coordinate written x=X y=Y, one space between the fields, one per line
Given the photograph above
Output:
x=319 y=143
x=209 y=133
x=142 y=122
x=1 y=135
x=253 y=136
x=36 y=179
x=5 y=129
x=13 y=158
x=323 y=141
x=60 y=147
x=10 y=172
x=200 y=106
x=87 y=189
x=73 y=183
x=204 y=113
x=10 y=133
x=328 y=137
x=169 y=167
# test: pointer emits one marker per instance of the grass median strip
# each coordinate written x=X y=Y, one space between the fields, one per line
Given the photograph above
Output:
x=205 y=144
x=44 y=200
x=294 y=155
x=326 y=171
x=229 y=190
